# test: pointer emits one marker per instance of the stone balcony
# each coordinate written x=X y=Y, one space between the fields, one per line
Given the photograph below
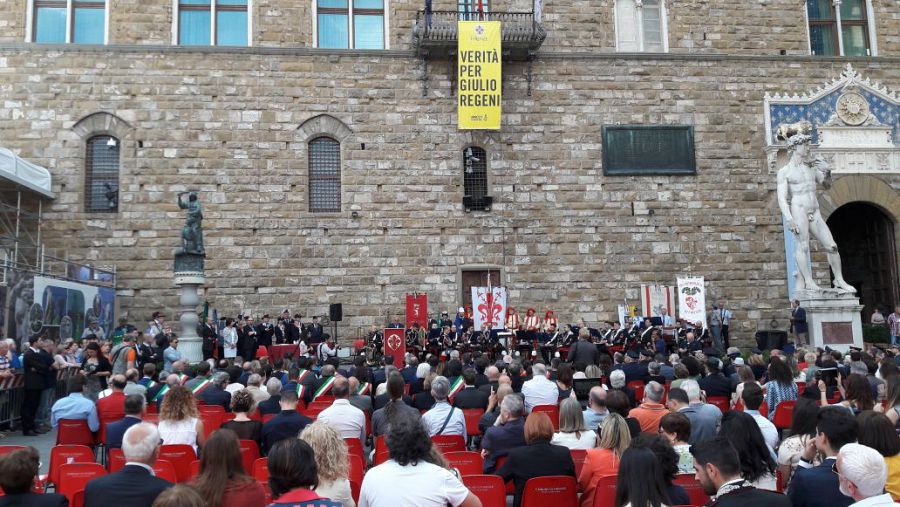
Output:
x=435 y=37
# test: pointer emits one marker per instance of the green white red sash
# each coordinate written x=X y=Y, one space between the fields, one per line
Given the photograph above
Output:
x=365 y=388
x=300 y=391
x=324 y=388
x=303 y=375
x=201 y=386
x=182 y=378
x=150 y=384
x=161 y=393
x=457 y=386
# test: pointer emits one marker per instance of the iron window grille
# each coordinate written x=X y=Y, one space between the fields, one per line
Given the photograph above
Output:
x=101 y=176
x=324 y=175
x=475 y=184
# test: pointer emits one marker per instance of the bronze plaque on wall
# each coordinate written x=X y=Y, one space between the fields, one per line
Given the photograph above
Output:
x=837 y=333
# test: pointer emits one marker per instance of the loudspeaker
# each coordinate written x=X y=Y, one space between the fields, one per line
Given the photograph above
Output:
x=335 y=312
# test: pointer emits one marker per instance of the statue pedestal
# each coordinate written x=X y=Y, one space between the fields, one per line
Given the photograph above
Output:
x=189 y=276
x=833 y=319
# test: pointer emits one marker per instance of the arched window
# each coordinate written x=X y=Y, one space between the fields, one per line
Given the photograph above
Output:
x=324 y=174
x=101 y=175
x=475 y=185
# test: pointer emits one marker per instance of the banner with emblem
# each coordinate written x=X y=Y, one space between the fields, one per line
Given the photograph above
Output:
x=479 y=67
x=657 y=300
x=692 y=298
x=395 y=344
x=417 y=310
x=489 y=305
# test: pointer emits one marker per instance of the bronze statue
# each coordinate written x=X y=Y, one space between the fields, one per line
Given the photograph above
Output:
x=192 y=232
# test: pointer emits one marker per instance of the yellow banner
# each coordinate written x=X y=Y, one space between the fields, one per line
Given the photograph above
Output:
x=478 y=81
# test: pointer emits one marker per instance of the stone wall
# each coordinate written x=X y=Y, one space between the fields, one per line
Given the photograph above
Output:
x=233 y=125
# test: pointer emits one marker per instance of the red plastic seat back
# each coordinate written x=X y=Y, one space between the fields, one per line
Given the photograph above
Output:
x=6 y=449
x=354 y=446
x=784 y=414
x=74 y=432
x=195 y=468
x=638 y=386
x=115 y=460
x=354 y=491
x=693 y=488
x=449 y=443
x=249 y=454
x=357 y=468
x=261 y=470
x=64 y=454
x=556 y=490
x=467 y=462
x=552 y=412
x=180 y=456
x=720 y=401
x=472 y=415
x=578 y=457
x=73 y=477
x=78 y=499
x=488 y=488
x=605 y=493
x=165 y=470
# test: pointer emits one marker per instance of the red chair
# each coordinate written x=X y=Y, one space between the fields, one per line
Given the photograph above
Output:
x=764 y=410
x=261 y=470
x=115 y=460
x=325 y=398
x=380 y=445
x=498 y=464
x=449 y=443
x=268 y=417
x=354 y=491
x=578 y=457
x=556 y=490
x=249 y=454
x=181 y=456
x=488 y=488
x=195 y=468
x=380 y=457
x=6 y=449
x=779 y=481
x=78 y=499
x=784 y=414
x=165 y=470
x=722 y=402
x=354 y=446
x=262 y=351
x=552 y=411
x=472 y=415
x=605 y=492
x=638 y=386
x=318 y=405
x=368 y=424
x=212 y=409
x=357 y=468
x=312 y=412
x=693 y=488
x=74 y=432
x=467 y=462
x=67 y=454
x=212 y=421
x=73 y=477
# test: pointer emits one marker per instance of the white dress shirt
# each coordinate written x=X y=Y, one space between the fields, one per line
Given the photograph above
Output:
x=874 y=501
x=434 y=420
x=769 y=431
x=348 y=420
x=540 y=391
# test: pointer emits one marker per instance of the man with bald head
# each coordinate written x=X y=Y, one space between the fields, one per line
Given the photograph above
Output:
x=112 y=406
x=493 y=377
x=651 y=409
x=348 y=420
x=596 y=411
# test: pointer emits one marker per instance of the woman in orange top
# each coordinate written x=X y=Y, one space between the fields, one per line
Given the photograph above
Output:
x=603 y=460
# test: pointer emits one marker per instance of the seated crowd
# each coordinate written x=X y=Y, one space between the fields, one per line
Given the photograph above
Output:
x=652 y=431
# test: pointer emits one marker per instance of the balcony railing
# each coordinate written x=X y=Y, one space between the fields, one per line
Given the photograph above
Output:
x=435 y=33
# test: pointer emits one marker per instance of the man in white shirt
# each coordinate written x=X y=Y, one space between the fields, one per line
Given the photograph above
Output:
x=752 y=396
x=862 y=474
x=539 y=390
x=443 y=419
x=348 y=420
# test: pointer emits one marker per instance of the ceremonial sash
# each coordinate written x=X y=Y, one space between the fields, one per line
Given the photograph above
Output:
x=150 y=384
x=201 y=386
x=161 y=393
x=364 y=389
x=457 y=386
x=182 y=378
x=302 y=375
x=300 y=391
x=324 y=388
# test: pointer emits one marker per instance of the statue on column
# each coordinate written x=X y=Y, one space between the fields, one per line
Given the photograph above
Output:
x=798 y=203
x=192 y=232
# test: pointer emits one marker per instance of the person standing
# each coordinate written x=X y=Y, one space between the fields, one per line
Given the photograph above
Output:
x=42 y=421
x=265 y=332
x=726 y=321
x=209 y=336
x=798 y=324
x=893 y=322
x=36 y=368
x=171 y=355
x=229 y=339
x=715 y=326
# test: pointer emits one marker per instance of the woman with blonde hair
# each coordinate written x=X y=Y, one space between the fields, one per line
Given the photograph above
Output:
x=179 y=419
x=603 y=461
x=332 y=462
x=573 y=433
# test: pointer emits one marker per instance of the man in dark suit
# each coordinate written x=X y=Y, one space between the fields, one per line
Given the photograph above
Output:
x=583 y=351
x=715 y=383
x=134 y=485
x=492 y=373
x=216 y=394
x=409 y=372
x=207 y=332
x=134 y=411
x=288 y=424
x=315 y=332
x=470 y=396
x=818 y=486
x=379 y=376
x=271 y=406
x=634 y=369
x=36 y=369
x=17 y=472
x=718 y=469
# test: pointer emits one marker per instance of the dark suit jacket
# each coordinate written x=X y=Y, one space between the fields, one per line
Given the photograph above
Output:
x=116 y=430
x=383 y=399
x=409 y=374
x=423 y=401
x=215 y=395
x=716 y=385
x=471 y=397
x=132 y=486
x=36 y=367
x=817 y=487
x=583 y=352
x=287 y=424
x=538 y=459
x=34 y=500
x=416 y=386
x=270 y=406
x=757 y=498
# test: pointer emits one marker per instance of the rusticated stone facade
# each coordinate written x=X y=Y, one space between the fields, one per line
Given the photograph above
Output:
x=234 y=125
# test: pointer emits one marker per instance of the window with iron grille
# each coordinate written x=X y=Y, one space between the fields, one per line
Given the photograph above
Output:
x=324 y=174
x=475 y=185
x=101 y=175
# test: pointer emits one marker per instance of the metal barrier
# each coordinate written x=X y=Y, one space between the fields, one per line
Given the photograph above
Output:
x=12 y=393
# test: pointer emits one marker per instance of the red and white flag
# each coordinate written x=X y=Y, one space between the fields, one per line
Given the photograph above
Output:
x=395 y=344
x=417 y=310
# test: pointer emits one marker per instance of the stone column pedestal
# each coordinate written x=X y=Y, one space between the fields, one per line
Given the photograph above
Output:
x=833 y=319
x=189 y=276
